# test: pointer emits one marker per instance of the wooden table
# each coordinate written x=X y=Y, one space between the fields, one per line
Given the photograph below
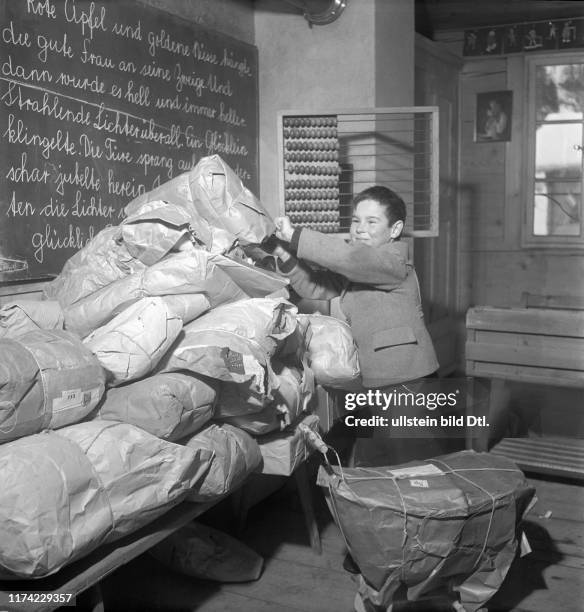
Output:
x=542 y=346
x=83 y=576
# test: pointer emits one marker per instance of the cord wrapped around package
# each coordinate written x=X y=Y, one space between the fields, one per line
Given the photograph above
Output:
x=65 y=493
x=448 y=522
x=133 y=342
x=48 y=379
x=235 y=455
x=170 y=405
x=234 y=342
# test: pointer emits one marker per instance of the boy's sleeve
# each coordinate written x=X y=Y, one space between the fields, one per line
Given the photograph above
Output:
x=385 y=266
x=309 y=283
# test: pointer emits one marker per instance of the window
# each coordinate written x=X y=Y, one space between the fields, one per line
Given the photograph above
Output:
x=555 y=140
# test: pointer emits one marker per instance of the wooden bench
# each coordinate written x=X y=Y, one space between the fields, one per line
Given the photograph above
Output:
x=535 y=345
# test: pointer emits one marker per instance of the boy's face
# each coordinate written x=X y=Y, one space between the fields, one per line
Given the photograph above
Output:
x=370 y=225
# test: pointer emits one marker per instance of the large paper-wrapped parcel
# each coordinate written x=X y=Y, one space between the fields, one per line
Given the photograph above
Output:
x=169 y=405
x=234 y=342
x=48 y=379
x=133 y=342
x=235 y=455
x=17 y=318
x=448 y=522
x=223 y=211
x=64 y=493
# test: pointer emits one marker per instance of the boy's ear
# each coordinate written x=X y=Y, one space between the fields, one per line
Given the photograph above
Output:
x=396 y=229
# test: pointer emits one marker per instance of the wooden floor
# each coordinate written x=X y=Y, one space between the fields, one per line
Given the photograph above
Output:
x=295 y=578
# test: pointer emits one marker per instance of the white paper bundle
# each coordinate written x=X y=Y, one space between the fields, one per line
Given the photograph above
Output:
x=17 y=318
x=170 y=405
x=63 y=494
x=184 y=273
x=100 y=262
x=133 y=342
x=234 y=342
x=235 y=455
x=154 y=229
x=331 y=351
x=48 y=379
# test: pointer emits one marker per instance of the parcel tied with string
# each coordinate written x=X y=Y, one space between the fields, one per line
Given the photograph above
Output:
x=449 y=522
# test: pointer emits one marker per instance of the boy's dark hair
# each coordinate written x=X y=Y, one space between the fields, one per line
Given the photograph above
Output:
x=393 y=205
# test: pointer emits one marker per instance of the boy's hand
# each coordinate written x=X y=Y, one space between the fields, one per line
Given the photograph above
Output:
x=284 y=228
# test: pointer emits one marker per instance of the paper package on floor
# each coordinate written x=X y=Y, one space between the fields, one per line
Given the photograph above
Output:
x=290 y=396
x=208 y=554
x=132 y=343
x=170 y=405
x=65 y=493
x=186 y=273
x=48 y=379
x=235 y=455
x=449 y=522
x=330 y=348
x=234 y=342
x=19 y=317
x=283 y=452
x=222 y=210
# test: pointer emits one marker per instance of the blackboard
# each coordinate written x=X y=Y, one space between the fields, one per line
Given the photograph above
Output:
x=103 y=101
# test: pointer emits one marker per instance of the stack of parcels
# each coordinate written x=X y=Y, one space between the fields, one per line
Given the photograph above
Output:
x=159 y=357
x=444 y=524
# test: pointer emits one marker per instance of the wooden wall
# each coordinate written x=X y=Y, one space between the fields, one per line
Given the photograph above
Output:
x=492 y=200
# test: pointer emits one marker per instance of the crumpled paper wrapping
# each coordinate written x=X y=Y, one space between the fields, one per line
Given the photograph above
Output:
x=65 y=493
x=225 y=202
x=19 y=317
x=100 y=262
x=154 y=229
x=209 y=554
x=256 y=282
x=331 y=350
x=169 y=405
x=186 y=273
x=290 y=397
x=235 y=455
x=449 y=522
x=222 y=210
x=283 y=452
x=133 y=342
x=48 y=379
x=177 y=192
x=234 y=342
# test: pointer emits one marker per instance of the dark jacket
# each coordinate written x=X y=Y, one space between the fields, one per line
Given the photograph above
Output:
x=380 y=298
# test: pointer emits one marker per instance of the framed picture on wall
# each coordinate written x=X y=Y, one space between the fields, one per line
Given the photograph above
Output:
x=493 y=116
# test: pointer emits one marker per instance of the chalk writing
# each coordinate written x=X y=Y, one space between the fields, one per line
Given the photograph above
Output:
x=102 y=102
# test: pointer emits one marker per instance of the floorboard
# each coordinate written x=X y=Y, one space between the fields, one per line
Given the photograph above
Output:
x=296 y=579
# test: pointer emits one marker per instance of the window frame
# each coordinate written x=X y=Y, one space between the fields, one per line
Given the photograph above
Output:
x=529 y=239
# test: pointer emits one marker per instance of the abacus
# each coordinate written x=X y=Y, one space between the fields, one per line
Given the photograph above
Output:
x=312 y=172
x=328 y=157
